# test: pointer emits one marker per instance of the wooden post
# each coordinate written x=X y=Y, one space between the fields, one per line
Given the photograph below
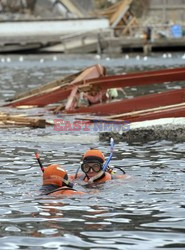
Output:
x=164 y=10
x=146 y=49
x=99 y=48
x=65 y=47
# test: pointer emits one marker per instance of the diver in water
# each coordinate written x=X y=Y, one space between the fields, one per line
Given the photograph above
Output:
x=94 y=170
x=56 y=183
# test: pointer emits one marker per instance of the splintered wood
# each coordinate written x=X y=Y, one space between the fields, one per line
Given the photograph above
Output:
x=19 y=121
x=121 y=18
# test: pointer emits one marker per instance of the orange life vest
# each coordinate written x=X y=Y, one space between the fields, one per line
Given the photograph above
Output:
x=66 y=192
x=63 y=191
x=106 y=177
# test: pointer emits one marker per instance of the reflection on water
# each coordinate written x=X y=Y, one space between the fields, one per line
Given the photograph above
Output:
x=145 y=211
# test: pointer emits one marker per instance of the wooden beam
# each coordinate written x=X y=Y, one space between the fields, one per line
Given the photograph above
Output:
x=135 y=104
x=146 y=111
x=72 y=8
x=59 y=82
x=177 y=110
x=72 y=99
x=168 y=6
x=129 y=26
x=139 y=79
x=18 y=120
x=117 y=16
x=61 y=92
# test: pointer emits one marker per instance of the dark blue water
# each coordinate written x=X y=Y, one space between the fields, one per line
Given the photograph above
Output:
x=144 y=211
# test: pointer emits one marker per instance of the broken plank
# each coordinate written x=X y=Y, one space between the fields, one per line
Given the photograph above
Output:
x=139 y=79
x=59 y=82
x=135 y=104
x=177 y=110
x=61 y=92
x=24 y=121
x=165 y=112
x=122 y=9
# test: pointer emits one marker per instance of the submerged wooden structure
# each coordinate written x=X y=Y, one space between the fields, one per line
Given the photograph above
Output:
x=92 y=83
x=58 y=90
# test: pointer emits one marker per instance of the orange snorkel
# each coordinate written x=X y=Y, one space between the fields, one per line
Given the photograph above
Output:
x=39 y=161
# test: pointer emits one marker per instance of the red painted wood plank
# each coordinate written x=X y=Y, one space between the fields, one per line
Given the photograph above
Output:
x=41 y=100
x=134 y=79
x=138 y=79
x=137 y=103
x=137 y=74
x=177 y=110
x=61 y=92
x=173 y=112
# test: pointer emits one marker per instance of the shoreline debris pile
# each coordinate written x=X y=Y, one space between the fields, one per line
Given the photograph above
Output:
x=121 y=18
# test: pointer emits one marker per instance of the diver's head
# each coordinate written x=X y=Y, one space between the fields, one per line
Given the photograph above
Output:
x=55 y=175
x=93 y=161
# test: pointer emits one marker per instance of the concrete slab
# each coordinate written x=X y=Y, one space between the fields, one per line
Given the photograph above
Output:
x=159 y=129
x=51 y=28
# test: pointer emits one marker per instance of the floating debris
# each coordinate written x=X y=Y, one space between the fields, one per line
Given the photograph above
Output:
x=7 y=120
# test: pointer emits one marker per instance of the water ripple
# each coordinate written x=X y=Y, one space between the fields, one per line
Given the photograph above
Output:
x=143 y=211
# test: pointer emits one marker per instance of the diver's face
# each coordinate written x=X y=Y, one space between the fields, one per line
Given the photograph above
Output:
x=91 y=168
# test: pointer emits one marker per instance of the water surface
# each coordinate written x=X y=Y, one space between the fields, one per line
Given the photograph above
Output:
x=145 y=211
